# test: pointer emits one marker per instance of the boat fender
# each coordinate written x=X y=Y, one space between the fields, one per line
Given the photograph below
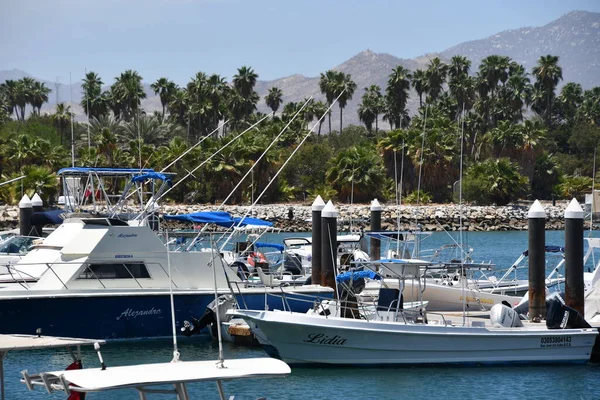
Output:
x=502 y=316
x=561 y=316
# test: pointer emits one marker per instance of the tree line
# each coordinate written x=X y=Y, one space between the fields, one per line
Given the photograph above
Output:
x=518 y=134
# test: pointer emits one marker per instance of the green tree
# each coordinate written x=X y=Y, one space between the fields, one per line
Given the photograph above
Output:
x=436 y=74
x=344 y=89
x=274 y=99
x=165 y=89
x=397 y=89
x=327 y=86
x=547 y=73
x=419 y=83
x=94 y=102
x=357 y=174
x=494 y=181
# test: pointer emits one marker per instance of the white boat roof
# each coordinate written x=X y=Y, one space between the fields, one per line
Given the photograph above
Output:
x=95 y=379
x=31 y=342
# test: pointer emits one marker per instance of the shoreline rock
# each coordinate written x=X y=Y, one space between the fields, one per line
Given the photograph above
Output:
x=437 y=217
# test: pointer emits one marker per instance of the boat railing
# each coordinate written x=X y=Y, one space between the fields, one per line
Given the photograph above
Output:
x=20 y=276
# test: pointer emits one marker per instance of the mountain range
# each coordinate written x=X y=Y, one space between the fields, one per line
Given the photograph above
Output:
x=574 y=37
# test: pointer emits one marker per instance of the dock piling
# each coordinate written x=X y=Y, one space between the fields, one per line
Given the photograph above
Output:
x=376 y=209
x=537 y=262
x=25 y=212
x=574 y=284
x=315 y=263
x=38 y=206
x=329 y=247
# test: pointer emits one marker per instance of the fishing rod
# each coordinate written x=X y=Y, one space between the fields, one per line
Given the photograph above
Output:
x=190 y=173
x=284 y=164
x=273 y=142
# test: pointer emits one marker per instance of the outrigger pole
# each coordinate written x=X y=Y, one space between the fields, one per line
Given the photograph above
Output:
x=273 y=142
x=284 y=164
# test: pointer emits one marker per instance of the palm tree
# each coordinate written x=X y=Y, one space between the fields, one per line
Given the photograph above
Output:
x=151 y=130
x=94 y=102
x=61 y=119
x=327 y=87
x=165 y=88
x=436 y=77
x=419 y=82
x=344 y=89
x=128 y=91
x=274 y=99
x=494 y=70
x=371 y=107
x=357 y=172
x=569 y=101
x=38 y=96
x=547 y=73
x=319 y=109
x=9 y=88
x=397 y=89
x=461 y=85
x=244 y=81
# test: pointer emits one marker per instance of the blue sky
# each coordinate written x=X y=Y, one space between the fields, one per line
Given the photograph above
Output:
x=177 y=38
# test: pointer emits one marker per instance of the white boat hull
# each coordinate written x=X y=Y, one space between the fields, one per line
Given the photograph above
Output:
x=303 y=339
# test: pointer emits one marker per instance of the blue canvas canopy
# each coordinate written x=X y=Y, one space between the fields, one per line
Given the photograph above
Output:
x=103 y=171
x=273 y=245
x=548 y=249
x=150 y=175
x=47 y=217
x=221 y=218
x=354 y=275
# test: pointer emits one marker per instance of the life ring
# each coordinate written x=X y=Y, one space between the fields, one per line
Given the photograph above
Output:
x=255 y=257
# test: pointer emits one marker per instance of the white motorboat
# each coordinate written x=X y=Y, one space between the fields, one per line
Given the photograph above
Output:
x=120 y=272
x=308 y=339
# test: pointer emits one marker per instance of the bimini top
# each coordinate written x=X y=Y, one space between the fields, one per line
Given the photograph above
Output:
x=151 y=175
x=548 y=249
x=145 y=375
x=221 y=218
x=279 y=247
x=354 y=275
x=32 y=342
x=103 y=171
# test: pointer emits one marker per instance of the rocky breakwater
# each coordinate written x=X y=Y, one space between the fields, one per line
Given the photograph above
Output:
x=296 y=217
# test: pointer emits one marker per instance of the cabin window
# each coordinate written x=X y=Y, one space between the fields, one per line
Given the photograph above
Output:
x=115 y=271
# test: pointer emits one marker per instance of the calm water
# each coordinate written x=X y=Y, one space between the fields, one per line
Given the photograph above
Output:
x=514 y=382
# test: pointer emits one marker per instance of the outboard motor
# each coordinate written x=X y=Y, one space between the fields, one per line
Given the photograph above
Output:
x=560 y=316
x=502 y=316
x=523 y=307
x=209 y=317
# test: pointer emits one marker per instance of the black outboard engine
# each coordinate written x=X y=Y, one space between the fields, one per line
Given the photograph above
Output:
x=196 y=326
x=209 y=317
x=523 y=308
x=560 y=316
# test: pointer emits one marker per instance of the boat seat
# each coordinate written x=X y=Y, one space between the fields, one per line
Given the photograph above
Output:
x=267 y=279
x=389 y=297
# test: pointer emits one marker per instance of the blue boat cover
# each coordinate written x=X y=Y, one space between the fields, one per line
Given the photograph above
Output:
x=273 y=245
x=221 y=218
x=354 y=275
x=548 y=249
x=151 y=175
x=251 y=221
x=47 y=217
x=86 y=170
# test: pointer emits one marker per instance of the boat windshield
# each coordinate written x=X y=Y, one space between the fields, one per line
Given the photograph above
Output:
x=17 y=245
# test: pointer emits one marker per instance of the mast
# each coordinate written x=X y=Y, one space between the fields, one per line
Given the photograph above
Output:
x=71 y=118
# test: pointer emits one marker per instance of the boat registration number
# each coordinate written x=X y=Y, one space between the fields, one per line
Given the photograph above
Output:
x=555 y=341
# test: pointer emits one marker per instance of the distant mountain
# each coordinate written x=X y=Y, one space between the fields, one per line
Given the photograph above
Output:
x=574 y=37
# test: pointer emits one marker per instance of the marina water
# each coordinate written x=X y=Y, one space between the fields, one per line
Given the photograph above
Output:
x=485 y=382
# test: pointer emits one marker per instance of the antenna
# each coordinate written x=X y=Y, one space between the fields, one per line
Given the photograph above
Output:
x=88 y=115
x=56 y=87
x=72 y=117
x=460 y=212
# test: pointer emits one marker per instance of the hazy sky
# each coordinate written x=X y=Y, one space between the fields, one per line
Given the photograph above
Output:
x=177 y=38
